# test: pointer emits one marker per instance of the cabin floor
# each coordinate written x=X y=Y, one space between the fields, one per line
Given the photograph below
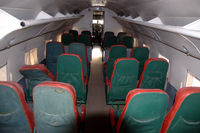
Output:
x=97 y=112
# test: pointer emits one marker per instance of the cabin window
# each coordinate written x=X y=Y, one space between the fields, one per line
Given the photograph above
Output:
x=3 y=73
x=59 y=36
x=31 y=57
x=192 y=81
x=145 y=45
x=135 y=41
x=161 y=56
x=45 y=47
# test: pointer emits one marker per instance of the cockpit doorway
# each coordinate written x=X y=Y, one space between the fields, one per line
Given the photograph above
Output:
x=97 y=26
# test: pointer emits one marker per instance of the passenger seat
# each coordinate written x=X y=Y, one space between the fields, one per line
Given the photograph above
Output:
x=141 y=54
x=70 y=70
x=55 y=108
x=15 y=114
x=35 y=74
x=123 y=79
x=184 y=116
x=154 y=74
x=75 y=34
x=143 y=112
x=53 y=50
x=115 y=52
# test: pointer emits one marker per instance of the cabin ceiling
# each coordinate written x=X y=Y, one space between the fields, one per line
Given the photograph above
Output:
x=147 y=9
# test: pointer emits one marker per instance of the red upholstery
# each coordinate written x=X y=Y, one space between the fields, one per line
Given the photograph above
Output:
x=145 y=66
x=181 y=95
x=112 y=118
x=40 y=67
x=129 y=96
x=19 y=90
x=67 y=87
x=83 y=112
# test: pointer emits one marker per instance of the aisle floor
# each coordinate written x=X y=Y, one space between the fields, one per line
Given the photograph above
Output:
x=96 y=109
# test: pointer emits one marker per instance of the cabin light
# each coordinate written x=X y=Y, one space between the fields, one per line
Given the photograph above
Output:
x=11 y=41
x=185 y=50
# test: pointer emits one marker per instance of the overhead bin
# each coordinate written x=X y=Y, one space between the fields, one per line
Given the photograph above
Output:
x=176 y=37
x=29 y=29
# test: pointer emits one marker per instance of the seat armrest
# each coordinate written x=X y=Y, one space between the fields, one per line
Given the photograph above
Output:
x=105 y=65
x=107 y=81
x=83 y=112
x=86 y=80
x=112 y=120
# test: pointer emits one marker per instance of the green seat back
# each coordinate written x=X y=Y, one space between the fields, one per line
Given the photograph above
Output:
x=154 y=74
x=124 y=79
x=115 y=52
x=67 y=38
x=70 y=71
x=53 y=50
x=75 y=34
x=108 y=33
x=141 y=54
x=120 y=35
x=15 y=114
x=184 y=116
x=143 y=112
x=86 y=32
x=127 y=41
x=109 y=41
x=35 y=74
x=80 y=50
x=55 y=108
x=83 y=38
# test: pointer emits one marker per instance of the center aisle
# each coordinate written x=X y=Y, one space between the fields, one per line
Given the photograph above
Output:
x=96 y=109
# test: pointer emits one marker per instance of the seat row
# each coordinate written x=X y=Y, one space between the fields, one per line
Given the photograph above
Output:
x=121 y=38
x=55 y=109
x=85 y=37
x=145 y=112
x=72 y=67
x=123 y=74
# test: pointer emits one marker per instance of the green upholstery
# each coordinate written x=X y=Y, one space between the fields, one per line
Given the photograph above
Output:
x=109 y=33
x=154 y=74
x=127 y=41
x=55 y=108
x=115 y=52
x=120 y=35
x=124 y=79
x=83 y=38
x=143 y=112
x=184 y=116
x=15 y=114
x=141 y=54
x=86 y=32
x=70 y=71
x=75 y=34
x=109 y=41
x=35 y=74
x=80 y=49
x=67 y=38
x=53 y=50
